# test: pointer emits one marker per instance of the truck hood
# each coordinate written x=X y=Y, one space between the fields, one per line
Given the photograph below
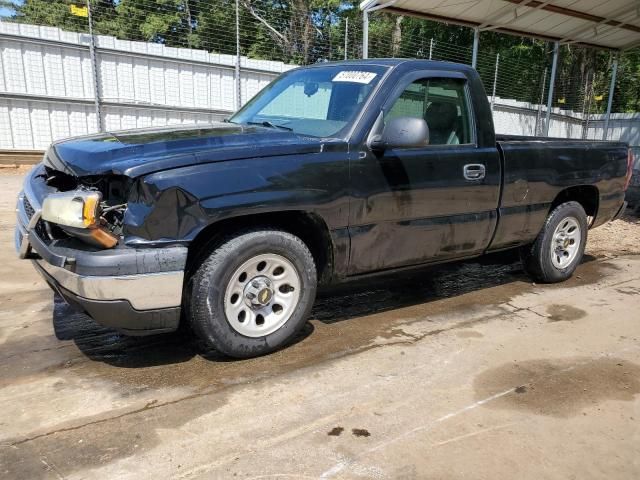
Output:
x=139 y=152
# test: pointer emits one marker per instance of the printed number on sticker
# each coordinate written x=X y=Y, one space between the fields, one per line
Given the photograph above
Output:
x=354 y=76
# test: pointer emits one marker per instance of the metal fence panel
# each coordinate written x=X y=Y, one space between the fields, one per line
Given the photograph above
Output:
x=47 y=89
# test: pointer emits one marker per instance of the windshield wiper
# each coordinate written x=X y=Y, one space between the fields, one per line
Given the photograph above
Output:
x=271 y=125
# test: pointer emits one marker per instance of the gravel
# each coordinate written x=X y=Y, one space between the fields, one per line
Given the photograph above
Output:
x=621 y=237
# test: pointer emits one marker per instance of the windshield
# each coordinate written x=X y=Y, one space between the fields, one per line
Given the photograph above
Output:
x=318 y=101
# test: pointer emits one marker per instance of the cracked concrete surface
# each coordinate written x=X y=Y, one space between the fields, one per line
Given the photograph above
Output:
x=462 y=371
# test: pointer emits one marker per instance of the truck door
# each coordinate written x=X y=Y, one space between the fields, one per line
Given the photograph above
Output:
x=419 y=205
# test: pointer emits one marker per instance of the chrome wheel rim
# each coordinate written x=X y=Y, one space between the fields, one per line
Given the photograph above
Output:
x=565 y=243
x=262 y=295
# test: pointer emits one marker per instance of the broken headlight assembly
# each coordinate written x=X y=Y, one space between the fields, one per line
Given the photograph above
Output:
x=80 y=214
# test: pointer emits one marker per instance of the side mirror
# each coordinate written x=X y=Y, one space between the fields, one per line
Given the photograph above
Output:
x=402 y=132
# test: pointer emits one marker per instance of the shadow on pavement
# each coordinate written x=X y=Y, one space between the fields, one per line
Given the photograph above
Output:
x=334 y=305
x=403 y=289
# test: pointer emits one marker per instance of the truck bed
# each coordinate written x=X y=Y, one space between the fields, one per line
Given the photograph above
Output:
x=536 y=169
x=503 y=138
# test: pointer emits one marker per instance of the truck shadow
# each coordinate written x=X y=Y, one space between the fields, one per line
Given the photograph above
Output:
x=333 y=306
x=104 y=344
x=428 y=284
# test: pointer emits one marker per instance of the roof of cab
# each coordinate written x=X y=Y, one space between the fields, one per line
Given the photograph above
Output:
x=394 y=62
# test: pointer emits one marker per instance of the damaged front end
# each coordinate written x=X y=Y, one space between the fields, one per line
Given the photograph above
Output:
x=89 y=208
x=72 y=228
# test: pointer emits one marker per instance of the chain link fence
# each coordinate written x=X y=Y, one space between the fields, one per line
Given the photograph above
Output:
x=229 y=49
x=302 y=32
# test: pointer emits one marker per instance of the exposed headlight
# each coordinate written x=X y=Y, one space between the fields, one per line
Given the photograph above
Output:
x=78 y=209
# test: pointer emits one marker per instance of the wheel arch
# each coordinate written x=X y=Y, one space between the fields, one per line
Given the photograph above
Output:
x=309 y=227
x=586 y=195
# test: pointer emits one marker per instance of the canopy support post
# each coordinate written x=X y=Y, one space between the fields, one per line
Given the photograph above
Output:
x=495 y=82
x=552 y=81
x=238 y=86
x=365 y=34
x=369 y=6
x=476 y=43
x=94 y=71
x=614 y=73
x=346 y=37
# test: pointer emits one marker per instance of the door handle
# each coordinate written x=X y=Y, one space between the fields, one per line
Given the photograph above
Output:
x=474 y=171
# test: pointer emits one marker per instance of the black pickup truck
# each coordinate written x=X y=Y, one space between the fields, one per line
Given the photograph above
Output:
x=332 y=172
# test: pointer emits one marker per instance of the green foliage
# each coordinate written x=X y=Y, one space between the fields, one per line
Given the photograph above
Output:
x=163 y=22
x=57 y=13
x=627 y=92
x=309 y=31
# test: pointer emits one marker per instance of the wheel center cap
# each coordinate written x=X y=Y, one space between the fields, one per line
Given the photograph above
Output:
x=258 y=292
x=264 y=296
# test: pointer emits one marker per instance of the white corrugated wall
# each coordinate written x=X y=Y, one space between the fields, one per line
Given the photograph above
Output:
x=47 y=90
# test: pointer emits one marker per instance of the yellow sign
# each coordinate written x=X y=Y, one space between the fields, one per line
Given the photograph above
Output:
x=562 y=100
x=598 y=98
x=79 y=11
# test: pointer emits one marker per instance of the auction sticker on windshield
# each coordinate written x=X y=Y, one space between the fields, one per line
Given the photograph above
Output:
x=354 y=76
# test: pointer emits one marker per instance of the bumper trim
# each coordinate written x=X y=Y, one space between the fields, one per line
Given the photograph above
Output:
x=147 y=291
x=21 y=240
x=119 y=314
x=37 y=246
x=25 y=225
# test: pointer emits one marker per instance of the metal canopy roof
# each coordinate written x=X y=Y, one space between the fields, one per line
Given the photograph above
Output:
x=611 y=24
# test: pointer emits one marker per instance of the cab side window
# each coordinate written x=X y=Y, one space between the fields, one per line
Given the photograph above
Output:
x=442 y=102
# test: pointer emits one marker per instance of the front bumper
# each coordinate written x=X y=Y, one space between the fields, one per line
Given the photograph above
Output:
x=136 y=291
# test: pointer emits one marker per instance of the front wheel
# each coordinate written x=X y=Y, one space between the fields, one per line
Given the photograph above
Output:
x=559 y=247
x=253 y=293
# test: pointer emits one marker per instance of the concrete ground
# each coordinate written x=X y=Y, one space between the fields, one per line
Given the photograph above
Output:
x=465 y=371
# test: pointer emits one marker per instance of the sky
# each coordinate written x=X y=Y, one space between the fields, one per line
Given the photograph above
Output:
x=6 y=12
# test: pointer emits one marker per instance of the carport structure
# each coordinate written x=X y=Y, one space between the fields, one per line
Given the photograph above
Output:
x=607 y=24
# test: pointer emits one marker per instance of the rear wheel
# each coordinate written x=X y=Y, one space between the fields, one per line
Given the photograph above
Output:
x=559 y=247
x=253 y=293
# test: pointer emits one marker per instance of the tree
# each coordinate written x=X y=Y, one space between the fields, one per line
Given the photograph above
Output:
x=309 y=31
x=626 y=96
x=300 y=29
x=57 y=13
x=164 y=22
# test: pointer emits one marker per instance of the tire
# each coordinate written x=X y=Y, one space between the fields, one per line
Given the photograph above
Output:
x=559 y=247
x=268 y=274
